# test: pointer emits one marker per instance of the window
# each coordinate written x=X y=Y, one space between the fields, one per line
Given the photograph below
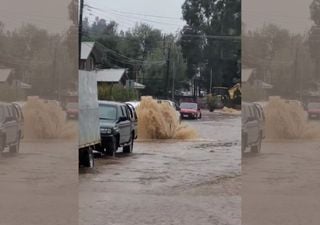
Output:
x=107 y=112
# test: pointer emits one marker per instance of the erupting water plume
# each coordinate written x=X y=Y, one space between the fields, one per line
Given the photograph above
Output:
x=46 y=120
x=288 y=120
x=160 y=121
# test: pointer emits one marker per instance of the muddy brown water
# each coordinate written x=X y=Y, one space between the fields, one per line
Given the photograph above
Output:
x=288 y=120
x=46 y=120
x=160 y=121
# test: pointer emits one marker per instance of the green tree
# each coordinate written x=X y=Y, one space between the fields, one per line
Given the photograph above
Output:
x=207 y=20
x=314 y=36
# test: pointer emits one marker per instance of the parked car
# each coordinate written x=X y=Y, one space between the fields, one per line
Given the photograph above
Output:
x=117 y=128
x=10 y=128
x=190 y=110
x=253 y=127
x=313 y=109
x=72 y=109
x=20 y=118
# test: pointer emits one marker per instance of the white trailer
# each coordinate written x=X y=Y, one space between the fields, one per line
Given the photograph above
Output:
x=89 y=127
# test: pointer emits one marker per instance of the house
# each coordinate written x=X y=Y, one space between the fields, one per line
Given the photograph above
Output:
x=112 y=76
x=6 y=76
x=91 y=56
x=117 y=76
x=249 y=77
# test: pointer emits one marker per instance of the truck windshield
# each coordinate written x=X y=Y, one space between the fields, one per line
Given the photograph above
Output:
x=107 y=112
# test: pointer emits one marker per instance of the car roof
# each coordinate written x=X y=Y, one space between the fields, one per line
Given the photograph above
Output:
x=111 y=103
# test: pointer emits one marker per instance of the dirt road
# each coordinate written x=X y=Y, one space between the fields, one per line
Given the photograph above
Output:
x=40 y=184
x=169 y=182
x=281 y=186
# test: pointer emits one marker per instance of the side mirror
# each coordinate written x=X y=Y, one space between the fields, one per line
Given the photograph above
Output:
x=8 y=119
x=122 y=118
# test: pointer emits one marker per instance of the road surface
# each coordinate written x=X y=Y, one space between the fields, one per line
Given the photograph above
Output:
x=39 y=185
x=169 y=182
x=281 y=186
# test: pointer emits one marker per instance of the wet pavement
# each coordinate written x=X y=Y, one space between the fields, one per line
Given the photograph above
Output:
x=281 y=185
x=39 y=185
x=169 y=182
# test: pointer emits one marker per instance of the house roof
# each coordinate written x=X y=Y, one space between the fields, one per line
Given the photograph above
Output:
x=4 y=74
x=246 y=74
x=110 y=75
x=86 y=49
x=137 y=85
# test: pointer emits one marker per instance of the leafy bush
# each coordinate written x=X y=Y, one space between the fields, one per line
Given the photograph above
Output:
x=116 y=93
x=11 y=94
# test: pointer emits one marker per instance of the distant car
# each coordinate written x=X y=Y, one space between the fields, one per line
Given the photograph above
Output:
x=190 y=110
x=313 y=109
x=10 y=128
x=253 y=127
x=72 y=109
x=117 y=127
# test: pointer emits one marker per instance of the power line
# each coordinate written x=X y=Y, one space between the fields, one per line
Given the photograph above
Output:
x=145 y=15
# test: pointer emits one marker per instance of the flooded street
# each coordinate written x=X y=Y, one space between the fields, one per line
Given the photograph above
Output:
x=282 y=184
x=39 y=184
x=169 y=182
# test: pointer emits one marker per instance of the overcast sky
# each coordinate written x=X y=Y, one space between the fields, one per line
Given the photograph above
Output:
x=291 y=14
x=115 y=10
x=49 y=14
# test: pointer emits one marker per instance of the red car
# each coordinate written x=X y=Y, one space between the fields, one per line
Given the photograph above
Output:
x=190 y=110
x=72 y=109
x=314 y=109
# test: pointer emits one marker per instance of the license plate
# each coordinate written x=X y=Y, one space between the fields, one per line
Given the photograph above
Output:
x=186 y=116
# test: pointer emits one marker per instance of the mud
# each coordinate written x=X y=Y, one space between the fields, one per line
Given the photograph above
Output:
x=281 y=185
x=179 y=182
x=40 y=184
x=46 y=120
x=288 y=120
x=160 y=121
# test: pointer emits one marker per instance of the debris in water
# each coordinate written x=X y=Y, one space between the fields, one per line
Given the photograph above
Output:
x=46 y=120
x=160 y=121
x=288 y=120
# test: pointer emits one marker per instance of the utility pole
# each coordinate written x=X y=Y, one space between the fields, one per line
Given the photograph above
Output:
x=80 y=29
x=210 y=90
x=168 y=71
x=173 y=79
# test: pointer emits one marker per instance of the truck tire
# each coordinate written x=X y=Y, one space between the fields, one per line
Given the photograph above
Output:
x=243 y=143
x=111 y=147
x=2 y=143
x=128 y=148
x=88 y=158
x=15 y=148
x=257 y=148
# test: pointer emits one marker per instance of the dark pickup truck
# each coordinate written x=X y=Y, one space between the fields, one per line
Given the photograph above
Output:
x=118 y=124
x=11 y=127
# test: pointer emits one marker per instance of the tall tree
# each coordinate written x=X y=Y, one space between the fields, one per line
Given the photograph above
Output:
x=219 y=22
x=314 y=37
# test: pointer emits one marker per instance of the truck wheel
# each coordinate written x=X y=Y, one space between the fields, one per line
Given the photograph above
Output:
x=2 y=144
x=15 y=148
x=111 y=146
x=243 y=143
x=128 y=148
x=257 y=148
x=88 y=158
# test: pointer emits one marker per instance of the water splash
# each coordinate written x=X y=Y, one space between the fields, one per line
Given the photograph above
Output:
x=160 y=121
